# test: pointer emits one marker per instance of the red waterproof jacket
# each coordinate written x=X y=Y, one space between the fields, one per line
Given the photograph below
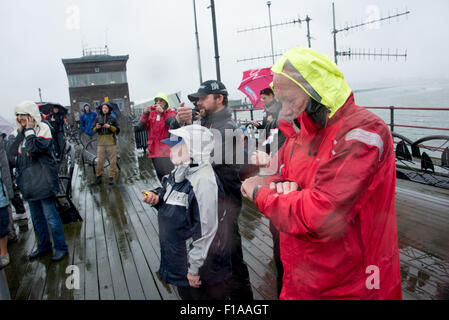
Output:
x=157 y=131
x=338 y=233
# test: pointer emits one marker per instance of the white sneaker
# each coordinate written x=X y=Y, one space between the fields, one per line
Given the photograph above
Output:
x=20 y=216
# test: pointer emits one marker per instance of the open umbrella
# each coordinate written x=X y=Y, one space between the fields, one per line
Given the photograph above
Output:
x=253 y=82
x=47 y=107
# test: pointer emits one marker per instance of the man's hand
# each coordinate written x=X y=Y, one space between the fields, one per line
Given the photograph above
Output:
x=256 y=123
x=284 y=187
x=30 y=122
x=147 y=109
x=261 y=159
x=249 y=185
x=159 y=109
x=98 y=126
x=184 y=115
x=194 y=281
x=151 y=198
x=106 y=125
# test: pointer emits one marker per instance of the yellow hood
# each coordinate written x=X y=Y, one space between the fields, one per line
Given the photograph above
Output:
x=163 y=96
x=316 y=74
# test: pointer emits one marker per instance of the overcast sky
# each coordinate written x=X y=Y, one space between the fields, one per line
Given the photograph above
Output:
x=159 y=37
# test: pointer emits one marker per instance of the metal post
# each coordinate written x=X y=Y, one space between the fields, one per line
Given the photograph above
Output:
x=4 y=289
x=309 y=38
x=335 y=34
x=271 y=30
x=197 y=43
x=392 y=118
x=252 y=116
x=214 y=27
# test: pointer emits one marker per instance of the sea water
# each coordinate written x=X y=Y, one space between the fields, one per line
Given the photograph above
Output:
x=418 y=94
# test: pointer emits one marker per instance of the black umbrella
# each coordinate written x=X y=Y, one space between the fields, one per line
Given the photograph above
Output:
x=47 y=107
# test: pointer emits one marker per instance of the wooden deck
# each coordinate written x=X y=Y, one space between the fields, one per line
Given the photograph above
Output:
x=116 y=247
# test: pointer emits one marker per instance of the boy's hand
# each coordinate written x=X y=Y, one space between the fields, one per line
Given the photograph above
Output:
x=106 y=125
x=98 y=126
x=150 y=198
x=194 y=281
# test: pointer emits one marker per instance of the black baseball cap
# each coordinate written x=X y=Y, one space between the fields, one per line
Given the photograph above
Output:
x=208 y=87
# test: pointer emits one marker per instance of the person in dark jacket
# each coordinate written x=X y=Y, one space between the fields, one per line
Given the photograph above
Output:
x=212 y=100
x=107 y=127
x=191 y=214
x=57 y=121
x=87 y=121
x=6 y=177
x=30 y=148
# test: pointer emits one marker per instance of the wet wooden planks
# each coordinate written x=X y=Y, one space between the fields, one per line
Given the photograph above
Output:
x=116 y=248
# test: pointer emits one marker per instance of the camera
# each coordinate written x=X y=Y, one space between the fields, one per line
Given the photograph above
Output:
x=195 y=112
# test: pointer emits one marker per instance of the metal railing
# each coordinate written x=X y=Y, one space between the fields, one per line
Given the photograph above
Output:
x=392 y=123
x=392 y=109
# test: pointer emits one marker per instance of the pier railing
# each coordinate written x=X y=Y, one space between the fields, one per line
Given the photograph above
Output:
x=392 y=124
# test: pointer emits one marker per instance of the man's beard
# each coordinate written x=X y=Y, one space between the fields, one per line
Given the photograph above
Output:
x=211 y=110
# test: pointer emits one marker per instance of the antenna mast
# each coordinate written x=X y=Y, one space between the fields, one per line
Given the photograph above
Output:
x=350 y=53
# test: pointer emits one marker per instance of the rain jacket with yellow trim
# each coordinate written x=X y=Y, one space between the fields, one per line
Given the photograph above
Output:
x=158 y=125
x=342 y=220
x=338 y=232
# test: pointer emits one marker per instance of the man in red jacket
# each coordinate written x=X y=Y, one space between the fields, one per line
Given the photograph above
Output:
x=333 y=197
x=156 y=119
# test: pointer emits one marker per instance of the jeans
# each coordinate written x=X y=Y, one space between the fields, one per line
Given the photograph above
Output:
x=44 y=212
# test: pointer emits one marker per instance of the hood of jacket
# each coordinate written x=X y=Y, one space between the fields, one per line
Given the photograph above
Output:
x=28 y=107
x=317 y=75
x=199 y=141
x=164 y=97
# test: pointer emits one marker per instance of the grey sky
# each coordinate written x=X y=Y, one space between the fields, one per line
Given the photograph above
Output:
x=159 y=37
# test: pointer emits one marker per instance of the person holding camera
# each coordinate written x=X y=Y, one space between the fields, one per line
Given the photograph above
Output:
x=106 y=126
x=157 y=119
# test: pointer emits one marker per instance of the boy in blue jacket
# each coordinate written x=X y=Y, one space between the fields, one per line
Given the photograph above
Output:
x=191 y=215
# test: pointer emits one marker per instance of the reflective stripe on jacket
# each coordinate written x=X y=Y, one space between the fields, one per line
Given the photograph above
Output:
x=193 y=230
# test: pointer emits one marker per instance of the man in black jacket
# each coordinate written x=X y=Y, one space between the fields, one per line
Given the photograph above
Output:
x=57 y=121
x=212 y=101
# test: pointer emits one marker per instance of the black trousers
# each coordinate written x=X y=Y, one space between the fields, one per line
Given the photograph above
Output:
x=277 y=258
x=218 y=291
x=58 y=140
x=241 y=286
x=163 y=166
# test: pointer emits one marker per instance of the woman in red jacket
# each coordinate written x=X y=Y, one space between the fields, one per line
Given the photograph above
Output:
x=156 y=119
x=333 y=197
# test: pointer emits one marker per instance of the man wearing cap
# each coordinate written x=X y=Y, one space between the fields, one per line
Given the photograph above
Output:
x=212 y=100
x=333 y=198
x=157 y=119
